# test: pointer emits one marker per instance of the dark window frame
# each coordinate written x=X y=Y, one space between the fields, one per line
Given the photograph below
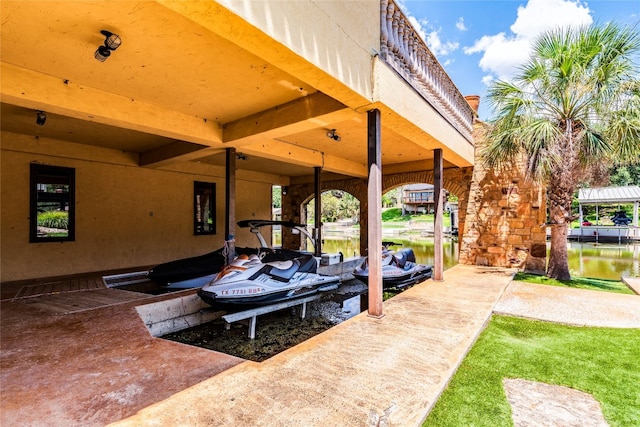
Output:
x=47 y=174
x=199 y=188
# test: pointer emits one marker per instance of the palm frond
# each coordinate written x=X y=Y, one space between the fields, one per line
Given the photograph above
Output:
x=575 y=102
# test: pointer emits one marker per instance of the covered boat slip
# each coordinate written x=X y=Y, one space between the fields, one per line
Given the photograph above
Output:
x=249 y=107
x=620 y=229
x=111 y=368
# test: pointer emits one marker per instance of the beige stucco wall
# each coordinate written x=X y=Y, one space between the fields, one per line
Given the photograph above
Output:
x=424 y=125
x=126 y=216
x=353 y=61
x=336 y=37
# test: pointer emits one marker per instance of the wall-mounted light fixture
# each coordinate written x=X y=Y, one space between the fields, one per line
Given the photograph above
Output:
x=284 y=190
x=241 y=156
x=41 y=118
x=333 y=135
x=111 y=43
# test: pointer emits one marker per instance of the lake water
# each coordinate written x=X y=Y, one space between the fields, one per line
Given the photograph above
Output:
x=604 y=260
x=586 y=259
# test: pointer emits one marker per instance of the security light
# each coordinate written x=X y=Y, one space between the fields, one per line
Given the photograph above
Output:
x=333 y=135
x=111 y=43
x=41 y=118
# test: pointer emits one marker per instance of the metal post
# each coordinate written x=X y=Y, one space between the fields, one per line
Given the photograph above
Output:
x=438 y=193
x=318 y=213
x=230 y=203
x=374 y=212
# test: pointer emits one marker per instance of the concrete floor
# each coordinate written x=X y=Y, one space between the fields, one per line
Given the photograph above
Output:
x=101 y=366
x=90 y=367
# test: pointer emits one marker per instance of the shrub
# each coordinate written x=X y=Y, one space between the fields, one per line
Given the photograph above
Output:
x=54 y=219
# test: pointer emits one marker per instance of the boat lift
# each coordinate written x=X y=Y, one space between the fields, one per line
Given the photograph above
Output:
x=253 y=313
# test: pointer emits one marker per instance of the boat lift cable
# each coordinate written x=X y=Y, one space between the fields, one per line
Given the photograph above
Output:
x=226 y=248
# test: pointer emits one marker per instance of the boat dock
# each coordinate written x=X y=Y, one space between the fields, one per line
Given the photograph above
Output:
x=95 y=365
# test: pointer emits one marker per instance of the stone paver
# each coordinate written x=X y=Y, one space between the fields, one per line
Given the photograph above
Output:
x=535 y=404
x=633 y=283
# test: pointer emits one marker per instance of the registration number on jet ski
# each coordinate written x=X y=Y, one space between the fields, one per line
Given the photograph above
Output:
x=241 y=291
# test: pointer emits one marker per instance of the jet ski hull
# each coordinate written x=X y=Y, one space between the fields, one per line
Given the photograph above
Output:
x=399 y=270
x=250 y=283
x=398 y=281
x=246 y=302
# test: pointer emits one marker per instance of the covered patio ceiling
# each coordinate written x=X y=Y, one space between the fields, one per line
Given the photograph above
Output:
x=175 y=92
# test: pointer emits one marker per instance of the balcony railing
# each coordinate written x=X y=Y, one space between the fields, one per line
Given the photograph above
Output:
x=418 y=200
x=403 y=49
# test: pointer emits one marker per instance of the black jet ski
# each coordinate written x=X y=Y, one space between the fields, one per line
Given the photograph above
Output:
x=399 y=268
x=187 y=272
x=249 y=282
x=195 y=272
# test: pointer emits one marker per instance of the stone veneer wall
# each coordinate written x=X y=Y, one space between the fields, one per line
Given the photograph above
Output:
x=504 y=218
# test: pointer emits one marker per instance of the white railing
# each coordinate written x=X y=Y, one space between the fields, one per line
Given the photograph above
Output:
x=404 y=50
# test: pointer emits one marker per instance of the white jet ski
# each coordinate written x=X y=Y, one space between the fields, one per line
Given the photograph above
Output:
x=198 y=271
x=248 y=282
x=399 y=268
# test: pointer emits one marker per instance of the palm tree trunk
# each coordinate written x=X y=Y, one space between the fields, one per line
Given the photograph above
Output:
x=559 y=216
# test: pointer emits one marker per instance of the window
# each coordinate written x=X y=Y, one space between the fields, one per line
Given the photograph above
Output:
x=52 y=210
x=204 y=211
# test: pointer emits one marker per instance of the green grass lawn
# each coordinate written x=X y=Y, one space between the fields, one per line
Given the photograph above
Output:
x=393 y=218
x=577 y=282
x=604 y=362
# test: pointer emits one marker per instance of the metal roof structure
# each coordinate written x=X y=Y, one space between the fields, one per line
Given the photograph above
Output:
x=609 y=195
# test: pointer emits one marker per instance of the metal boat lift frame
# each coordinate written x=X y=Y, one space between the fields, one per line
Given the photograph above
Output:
x=252 y=314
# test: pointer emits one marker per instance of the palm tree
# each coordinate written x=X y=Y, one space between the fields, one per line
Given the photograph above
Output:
x=575 y=103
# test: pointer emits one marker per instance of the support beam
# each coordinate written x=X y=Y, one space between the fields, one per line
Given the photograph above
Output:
x=31 y=89
x=230 y=203
x=176 y=151
x=318 y=211
x=292 y=117
x=374 y=192
x=438 y=194
x=289 y=153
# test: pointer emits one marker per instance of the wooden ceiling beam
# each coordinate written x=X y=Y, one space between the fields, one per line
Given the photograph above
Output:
x=309 y=112
x=177 y=151
x=38 y=91
x=290 y=153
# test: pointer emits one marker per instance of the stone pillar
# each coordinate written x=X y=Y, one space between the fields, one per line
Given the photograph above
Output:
x=504 y=217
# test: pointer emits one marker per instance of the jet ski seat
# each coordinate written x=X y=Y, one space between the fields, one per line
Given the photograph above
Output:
x=284 y=275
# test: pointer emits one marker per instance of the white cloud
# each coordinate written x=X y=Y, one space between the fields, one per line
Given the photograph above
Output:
x=540 y=15
x=460 y=24
x=430 y=35
x=488 y=79
x=438 y=47
x=419 y=25
x=502 y=53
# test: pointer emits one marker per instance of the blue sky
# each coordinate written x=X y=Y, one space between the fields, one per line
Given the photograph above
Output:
x=478 y=41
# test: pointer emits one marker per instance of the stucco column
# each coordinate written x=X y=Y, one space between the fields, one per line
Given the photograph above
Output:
x=374 y=210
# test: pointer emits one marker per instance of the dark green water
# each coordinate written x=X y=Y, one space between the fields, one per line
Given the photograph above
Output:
x=604 y=260
x=597 y=260
x=422 y=248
